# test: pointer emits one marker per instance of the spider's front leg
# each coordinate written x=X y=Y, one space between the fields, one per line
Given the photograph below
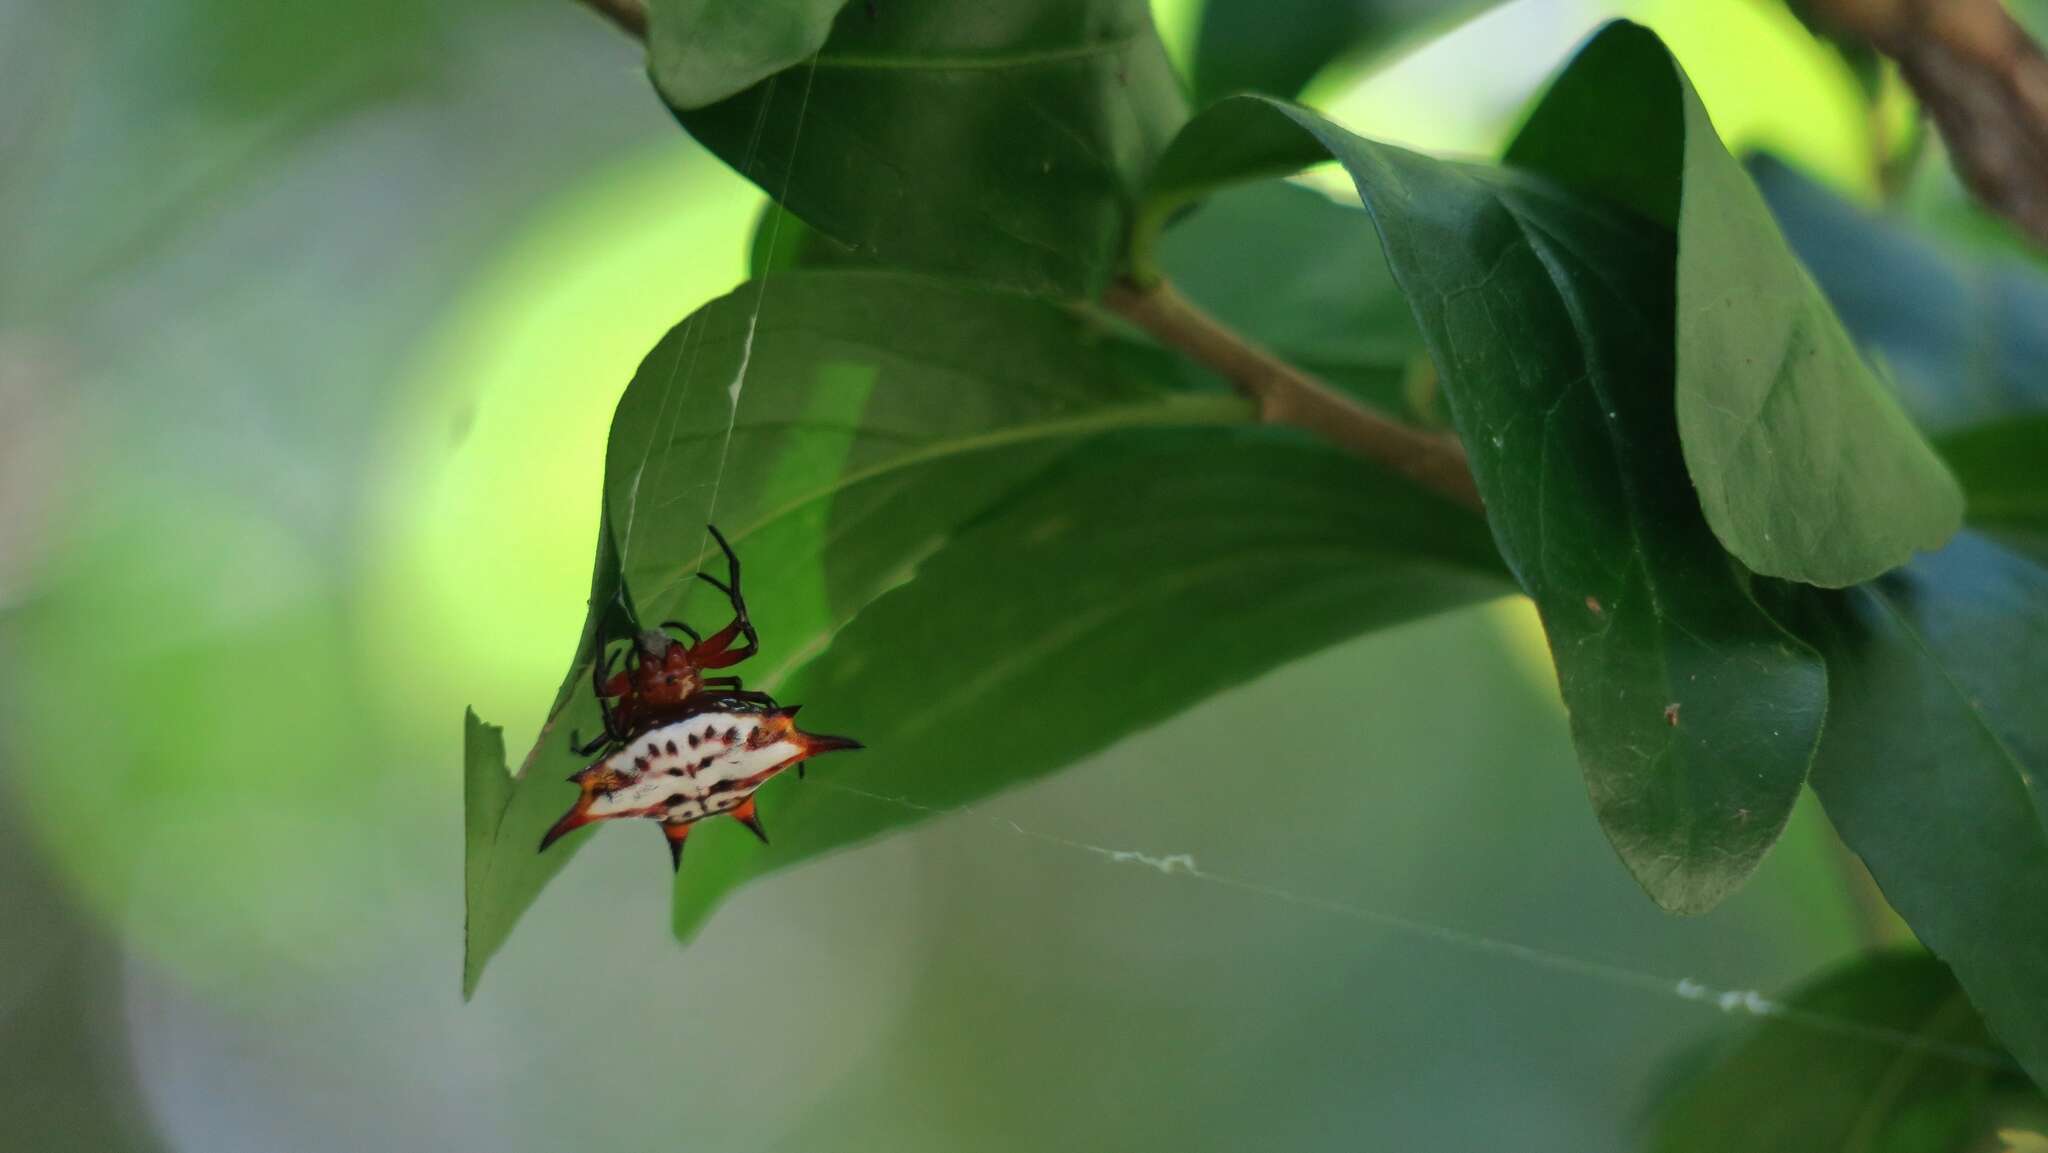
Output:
x=716 y=651
x=600 y=672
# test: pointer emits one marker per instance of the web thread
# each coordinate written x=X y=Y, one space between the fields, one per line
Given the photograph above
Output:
x=1744 y=1002
x=739 y=377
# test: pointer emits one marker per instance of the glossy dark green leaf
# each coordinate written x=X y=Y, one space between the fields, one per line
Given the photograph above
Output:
x=1319 y=294
x=1138 y=576
x=1963 y=339
x=701 y=51
x=2004 y=468
x=1278 y=46
x=889 y=429
x=874 y=413
x=1549 y=317
x=1935 y=765
x=996 y=142
x=1898 y=1063
x=1805 y=464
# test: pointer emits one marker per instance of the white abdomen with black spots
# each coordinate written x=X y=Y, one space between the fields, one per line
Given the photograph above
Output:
x=705 y=765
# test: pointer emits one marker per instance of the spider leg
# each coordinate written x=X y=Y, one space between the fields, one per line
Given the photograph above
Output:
x=713 y=653
x=604 y=703
x=720 y=683
x=600 y=672
x=716 y=651
x=732 y=561
x=695 y=637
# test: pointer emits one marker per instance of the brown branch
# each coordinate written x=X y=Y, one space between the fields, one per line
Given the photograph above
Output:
x=1287 y=395
x=629 y=15
x=1984 y=81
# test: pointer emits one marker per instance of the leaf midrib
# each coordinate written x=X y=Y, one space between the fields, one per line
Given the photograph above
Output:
x=1173 y=409
x=983 y=62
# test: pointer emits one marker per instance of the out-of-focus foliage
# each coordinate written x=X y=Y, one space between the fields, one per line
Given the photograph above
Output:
x=1905 y=1066
x=1935 y=764
x=1961 y=336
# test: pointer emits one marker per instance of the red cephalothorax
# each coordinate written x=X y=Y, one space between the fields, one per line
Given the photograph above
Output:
x=663 y=678
x=706 y=764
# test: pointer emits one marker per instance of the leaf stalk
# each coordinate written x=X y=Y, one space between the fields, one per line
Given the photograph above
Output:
x=1287 y=395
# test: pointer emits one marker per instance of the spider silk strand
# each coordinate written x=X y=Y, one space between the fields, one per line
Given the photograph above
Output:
x=739 y=378
x=1748 y=1002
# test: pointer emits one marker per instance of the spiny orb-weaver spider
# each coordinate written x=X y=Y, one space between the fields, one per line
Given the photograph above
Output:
x=678 y=746
x=664 y=678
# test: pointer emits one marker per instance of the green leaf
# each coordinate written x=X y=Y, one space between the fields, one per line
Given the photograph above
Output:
x=1549 y=318
x=1001 y=143
x=1964 y=340
x=1806 y=466
x=701 y=51
x=1136 y=577
x=887 y=428
x=1277 y=46
x=2001 y=466
x=1935 y=765
x=1320 y=294
x=1903 y=1065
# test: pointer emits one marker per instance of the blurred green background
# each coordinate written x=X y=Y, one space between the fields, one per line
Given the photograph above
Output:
x=311 y=322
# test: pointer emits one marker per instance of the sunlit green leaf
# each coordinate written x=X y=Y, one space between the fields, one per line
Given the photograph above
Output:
x=1065 y=518
x=1935 y=765
x=1898 y=1063
x=1277 y=46
x=701 y=51
x=839 y=427
x=1806 y=466
x=1001 y=142
x=1549 y=318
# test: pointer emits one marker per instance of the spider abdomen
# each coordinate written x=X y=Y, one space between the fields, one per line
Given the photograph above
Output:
x=701 y=765
x=697 y=767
